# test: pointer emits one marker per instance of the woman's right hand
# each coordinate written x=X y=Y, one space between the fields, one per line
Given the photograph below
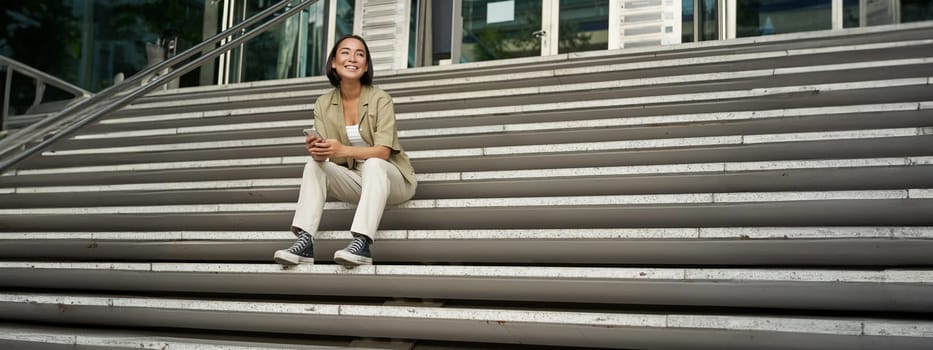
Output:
x=310 y=140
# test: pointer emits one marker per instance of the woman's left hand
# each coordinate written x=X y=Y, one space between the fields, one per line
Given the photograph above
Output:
x=330 y=148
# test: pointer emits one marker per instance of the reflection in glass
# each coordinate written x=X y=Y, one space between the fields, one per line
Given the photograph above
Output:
x=767 y=17
x=46 y=37
x=276 y=53
x=499 y=36
x=708 y=20
x=686 y=27
x=344 y=25
x=850 y=13
x=88 y=43
x=584 y=25
x=916 y=10
x=130 y=35
x=705 y=14
x=314 y=52
x=413 y=16
x=259 y=58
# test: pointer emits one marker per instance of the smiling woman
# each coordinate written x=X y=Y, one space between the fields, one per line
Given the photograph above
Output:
x=356 y=156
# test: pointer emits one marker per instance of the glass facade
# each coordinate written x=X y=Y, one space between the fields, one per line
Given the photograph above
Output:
x=513 y=28
x=700 y=20
x=413 y=16
x=916 y=10
x=686 y=21
x=345 y=13
x=850 y=14
x=293 y=48
x=495 y=30
x=87 y=42
x=767 y=17
x=278 y=53
x=90 y=42
x=584 y=25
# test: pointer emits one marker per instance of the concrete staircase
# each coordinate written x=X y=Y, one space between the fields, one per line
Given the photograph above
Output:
x=763 y=193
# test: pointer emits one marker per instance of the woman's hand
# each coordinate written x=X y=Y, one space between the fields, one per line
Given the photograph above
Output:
x=321 y=150
x=331 y=148
x=311 y=144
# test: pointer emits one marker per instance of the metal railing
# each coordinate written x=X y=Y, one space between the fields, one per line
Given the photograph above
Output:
x=44 y=133
x=41 y=80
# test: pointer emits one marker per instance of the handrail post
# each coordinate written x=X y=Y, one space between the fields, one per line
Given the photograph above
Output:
x=6 y=97
x=40 y=92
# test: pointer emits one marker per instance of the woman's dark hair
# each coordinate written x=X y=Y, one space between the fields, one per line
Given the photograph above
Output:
x=366 y=79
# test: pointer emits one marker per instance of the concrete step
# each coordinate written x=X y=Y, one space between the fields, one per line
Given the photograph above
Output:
x=293 y=145
x=290 y=149
x=595 y=120
x=888 y=115
x=897 y=290
x=666 y=246
x=584 y=95
x=917 y=117
x=848 y=174
x=564 y=112
x=606 y=329
x=36 y=337
x=743 y=246
x=737 y=71
x=290 y=166
x=908 y=206
x=637 y=59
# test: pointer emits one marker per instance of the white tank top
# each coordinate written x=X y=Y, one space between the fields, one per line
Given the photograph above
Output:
x=353 y=133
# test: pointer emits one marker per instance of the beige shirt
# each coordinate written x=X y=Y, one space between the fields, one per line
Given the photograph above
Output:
x=377 y=126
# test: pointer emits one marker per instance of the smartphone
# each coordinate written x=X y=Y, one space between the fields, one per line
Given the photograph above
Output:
x=312 y=132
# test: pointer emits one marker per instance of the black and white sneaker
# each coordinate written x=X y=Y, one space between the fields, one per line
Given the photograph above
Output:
x=356 y=253
x=302 y=251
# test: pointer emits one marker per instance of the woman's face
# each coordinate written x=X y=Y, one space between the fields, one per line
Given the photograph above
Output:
x=350 y=60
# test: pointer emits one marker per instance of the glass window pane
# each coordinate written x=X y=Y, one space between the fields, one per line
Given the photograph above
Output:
x=259 y=59
x=850 y=13
x=498 y=29
x=47 y=37
x=686 y=27
x=88 y=43
x=584 y=25
x=315 y=52
x=130 y=35
x=344 y=25
x=709 y=25
x=413 y=33
x=276 y=54
x=767 y=17
x=916 y=10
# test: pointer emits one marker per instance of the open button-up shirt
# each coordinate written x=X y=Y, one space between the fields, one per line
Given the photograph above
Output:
x=377 y=126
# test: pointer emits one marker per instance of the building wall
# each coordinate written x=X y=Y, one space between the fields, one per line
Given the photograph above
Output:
x=88 y=42
x=639 y=23
x=384 y=25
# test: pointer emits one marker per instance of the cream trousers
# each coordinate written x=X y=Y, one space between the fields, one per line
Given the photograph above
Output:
x=375 y=184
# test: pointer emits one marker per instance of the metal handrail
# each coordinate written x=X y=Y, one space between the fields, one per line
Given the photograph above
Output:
x=26 y=70
x=11 y=143
x=42 y=79
x=108 y=100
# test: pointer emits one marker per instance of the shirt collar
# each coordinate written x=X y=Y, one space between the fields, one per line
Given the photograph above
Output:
x=364 y=95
